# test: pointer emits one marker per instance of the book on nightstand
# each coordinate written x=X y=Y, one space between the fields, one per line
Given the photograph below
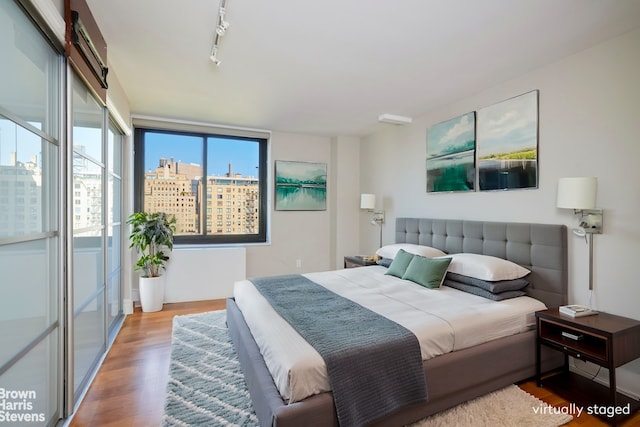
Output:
x=576 y=310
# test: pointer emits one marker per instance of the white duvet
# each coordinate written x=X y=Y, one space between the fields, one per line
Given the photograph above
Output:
x=443 y=320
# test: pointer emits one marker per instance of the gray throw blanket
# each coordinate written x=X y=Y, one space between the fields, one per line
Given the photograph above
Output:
x=374 y=364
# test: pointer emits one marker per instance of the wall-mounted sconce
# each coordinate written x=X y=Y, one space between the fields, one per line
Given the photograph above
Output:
x=368 y=202
x=579 y=194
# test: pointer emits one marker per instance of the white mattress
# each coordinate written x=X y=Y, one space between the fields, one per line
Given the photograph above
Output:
x=443 y=320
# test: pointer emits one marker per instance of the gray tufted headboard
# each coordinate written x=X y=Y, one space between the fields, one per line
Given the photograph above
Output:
x=541 y=248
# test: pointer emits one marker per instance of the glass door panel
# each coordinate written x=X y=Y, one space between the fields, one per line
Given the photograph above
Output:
x=30 y=191
x=114 y=226
x=88 y=201
x=29 y=304
x=35 y=377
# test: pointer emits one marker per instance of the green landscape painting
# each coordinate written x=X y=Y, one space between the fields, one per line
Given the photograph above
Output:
x=451 y=155
x=507 y=136
x=300 y=186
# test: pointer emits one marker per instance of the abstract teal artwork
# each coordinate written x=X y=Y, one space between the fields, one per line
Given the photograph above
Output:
x=300 y=186
x=451 y=155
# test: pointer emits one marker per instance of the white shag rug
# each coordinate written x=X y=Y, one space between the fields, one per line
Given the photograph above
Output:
x=508 y=407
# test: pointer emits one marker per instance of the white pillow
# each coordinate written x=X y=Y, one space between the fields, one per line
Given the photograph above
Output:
x=390 y=251
x=485 y=267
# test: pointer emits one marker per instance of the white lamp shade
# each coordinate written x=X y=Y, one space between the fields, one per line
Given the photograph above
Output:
x=577 y=192
x=367 y=201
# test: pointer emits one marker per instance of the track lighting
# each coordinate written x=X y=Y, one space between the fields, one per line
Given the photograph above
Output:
x=221 y=29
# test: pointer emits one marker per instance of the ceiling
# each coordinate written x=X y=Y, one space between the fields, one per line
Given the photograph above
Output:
x=331 y=67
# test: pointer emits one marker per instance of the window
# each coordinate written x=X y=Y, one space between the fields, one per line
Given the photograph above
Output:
x=177 y=170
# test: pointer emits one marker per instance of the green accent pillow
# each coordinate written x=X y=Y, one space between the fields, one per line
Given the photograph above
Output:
x=400 y=263
x=428 y=272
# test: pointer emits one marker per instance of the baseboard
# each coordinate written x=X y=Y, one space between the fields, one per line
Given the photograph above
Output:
x=127 y=306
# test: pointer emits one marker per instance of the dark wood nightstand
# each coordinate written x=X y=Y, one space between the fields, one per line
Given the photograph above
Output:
x=358 y=261
x=604 y=339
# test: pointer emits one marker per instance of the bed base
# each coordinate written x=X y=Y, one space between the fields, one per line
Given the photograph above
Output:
x=452 y=378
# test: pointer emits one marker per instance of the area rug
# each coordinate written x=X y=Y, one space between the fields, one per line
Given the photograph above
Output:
x=206 y=387
x=510 y=406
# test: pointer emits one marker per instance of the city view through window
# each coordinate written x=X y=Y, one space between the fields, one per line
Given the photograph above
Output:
x=210 y=184
x=21 y=180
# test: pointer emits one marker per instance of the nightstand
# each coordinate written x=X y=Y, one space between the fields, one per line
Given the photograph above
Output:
x=358 y=261
x=604 y=339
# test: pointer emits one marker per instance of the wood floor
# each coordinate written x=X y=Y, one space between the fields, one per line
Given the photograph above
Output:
x=129 y=389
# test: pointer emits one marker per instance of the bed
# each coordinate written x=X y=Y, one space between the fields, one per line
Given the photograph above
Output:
x=479 y=369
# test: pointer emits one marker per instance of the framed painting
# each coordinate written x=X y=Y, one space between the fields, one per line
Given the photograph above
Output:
x=507 y=137
x=451 y=155
x=300 y=186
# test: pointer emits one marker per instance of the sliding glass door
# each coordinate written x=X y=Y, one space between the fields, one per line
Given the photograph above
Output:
x=96 y=204
x=60 y=227
x=31 y=254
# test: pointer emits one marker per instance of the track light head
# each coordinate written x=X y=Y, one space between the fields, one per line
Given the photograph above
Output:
x=222 y=28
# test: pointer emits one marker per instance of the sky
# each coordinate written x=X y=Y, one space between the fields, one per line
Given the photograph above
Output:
x=509 y=125
x=242 y=154
x=452 y=133
x=16 y=139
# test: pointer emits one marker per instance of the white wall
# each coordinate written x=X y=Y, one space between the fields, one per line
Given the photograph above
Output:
x=344 y=192
x=589 y=126
x=295 y=235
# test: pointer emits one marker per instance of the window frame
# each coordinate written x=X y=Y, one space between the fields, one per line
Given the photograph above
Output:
x=206 y=239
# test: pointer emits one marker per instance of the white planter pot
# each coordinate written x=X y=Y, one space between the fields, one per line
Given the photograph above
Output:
x=151 y=293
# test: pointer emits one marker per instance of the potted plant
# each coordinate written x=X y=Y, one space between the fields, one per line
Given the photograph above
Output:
x=151 y=234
